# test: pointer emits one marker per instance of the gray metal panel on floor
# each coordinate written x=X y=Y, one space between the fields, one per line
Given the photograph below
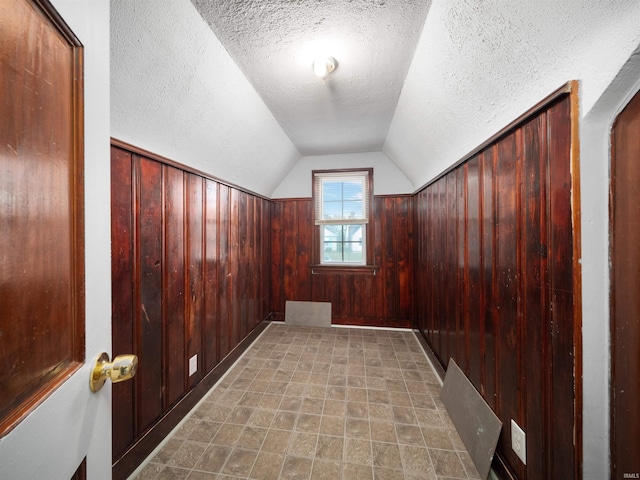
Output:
x=309 y=314
x=477 y=425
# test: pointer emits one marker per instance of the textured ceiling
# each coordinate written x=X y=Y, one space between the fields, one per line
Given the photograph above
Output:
x=274 y=43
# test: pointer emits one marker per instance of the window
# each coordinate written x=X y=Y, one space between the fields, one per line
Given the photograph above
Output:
x=342 y=212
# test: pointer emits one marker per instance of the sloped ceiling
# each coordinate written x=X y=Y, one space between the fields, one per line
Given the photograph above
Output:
x=274 y=43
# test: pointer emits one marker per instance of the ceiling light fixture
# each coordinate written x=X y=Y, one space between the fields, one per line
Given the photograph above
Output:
x=324 y=66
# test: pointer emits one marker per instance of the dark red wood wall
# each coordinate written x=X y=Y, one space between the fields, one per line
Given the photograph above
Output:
x=495 y=287
x=625 y=293
x=190 y=269
x=377 y=296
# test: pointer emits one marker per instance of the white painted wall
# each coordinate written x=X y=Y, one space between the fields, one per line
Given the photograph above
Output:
x=176 y=92
x=478 y=66
x=52 y=441
x=387 y=177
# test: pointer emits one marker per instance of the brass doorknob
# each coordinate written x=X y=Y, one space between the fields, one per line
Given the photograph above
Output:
x=122 y=368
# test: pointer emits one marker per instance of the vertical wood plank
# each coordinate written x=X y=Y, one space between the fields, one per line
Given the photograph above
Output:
x=561 y=286
x=472 y=280
x=122 y=302
x=211 y=312
x=149 y=314
x=174 y=279
x=194 y=314
x=224 y=272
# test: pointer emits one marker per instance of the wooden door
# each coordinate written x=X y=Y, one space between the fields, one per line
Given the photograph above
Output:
x=48 y=416
x=625 y=293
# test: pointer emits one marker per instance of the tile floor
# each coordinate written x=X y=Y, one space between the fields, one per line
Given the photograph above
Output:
x=320 y=403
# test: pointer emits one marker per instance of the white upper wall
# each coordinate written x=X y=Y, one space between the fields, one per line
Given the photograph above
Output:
x=479 y=65
x=176 y=92
x=387 y=178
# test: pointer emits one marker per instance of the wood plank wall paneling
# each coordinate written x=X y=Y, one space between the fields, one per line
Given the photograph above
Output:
x=190 y=277
x=377 y=297
x=625 y=285
x=495 y=286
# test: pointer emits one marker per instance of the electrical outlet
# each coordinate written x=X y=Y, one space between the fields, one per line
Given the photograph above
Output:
x=193 y=364
x=519 y=442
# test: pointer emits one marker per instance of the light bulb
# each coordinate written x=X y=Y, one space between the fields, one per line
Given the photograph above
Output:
x=324 y=66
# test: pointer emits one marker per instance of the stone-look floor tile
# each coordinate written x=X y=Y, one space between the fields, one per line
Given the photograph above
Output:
x=195 y=475
x=429 y=418
x=187 y=455
x=409 y=435
x=357 y=410
x=447 y=463
x=296 y=468
x=167 y=451
x=276 y=441
x=321 y=403
x=395 y=385
x=357 y=451
x=336 y=393
x=270 y=401
x=378 y=396
x=308 y=423
x=386 y=455
x=404 y=415
x=334 y=408
x=437 y=438
x=329 y=447
x=267 y=466
x=252 y=438
x=204 y=431
x=228 y=434
x=173 y=473
x=387 y=474
x=357 y=472
x=290 y=404
x=303 y=444
x=337 y=380
x=468 y=465
x=212 y=412
x=312 y=405
x=380 y=412
x=416 y=459
x=383 y=432
x=261 y=418
x=240 y=462
x=284 y=420
x=375 y=383
x=213 y=458
x=326 y=470
x=332 y=426
x=250 y=399
x=295 y=390
x=319 y=378
x=316 y=391
x=150 y=471
x=356 y=394
x=400 y=399
x=357 y=428
x=458 y=444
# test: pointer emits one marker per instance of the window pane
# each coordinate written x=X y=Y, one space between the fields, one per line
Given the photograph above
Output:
x=343 y=243
x=342 y=198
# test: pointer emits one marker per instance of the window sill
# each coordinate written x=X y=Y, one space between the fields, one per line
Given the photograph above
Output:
x=320 y=269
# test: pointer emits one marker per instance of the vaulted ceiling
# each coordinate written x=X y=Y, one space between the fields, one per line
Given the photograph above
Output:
x=274 y=43
x=226 y=86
